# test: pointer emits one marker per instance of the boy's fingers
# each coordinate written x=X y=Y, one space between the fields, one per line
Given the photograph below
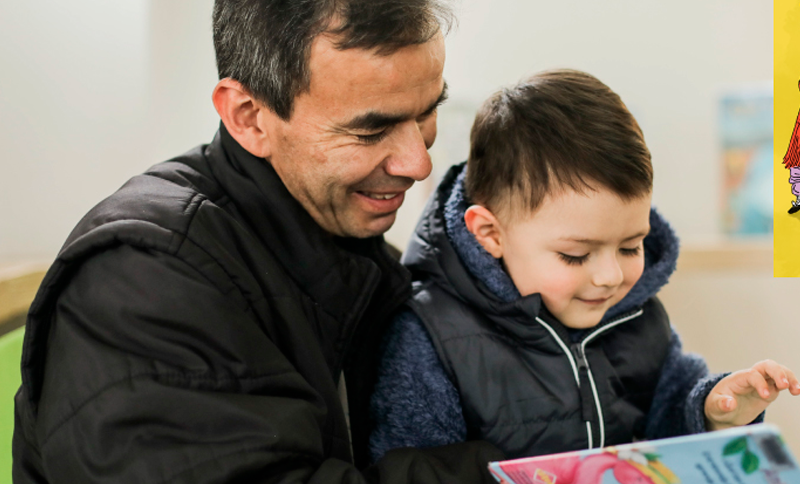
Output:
x=757 y=381
x=776 y=372
x=782 y=377
x=794 y=384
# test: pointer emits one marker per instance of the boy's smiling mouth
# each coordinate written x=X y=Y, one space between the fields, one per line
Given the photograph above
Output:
x=594 y=302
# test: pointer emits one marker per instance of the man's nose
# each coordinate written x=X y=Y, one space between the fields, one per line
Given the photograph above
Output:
x=410 y=157
x=608 y=272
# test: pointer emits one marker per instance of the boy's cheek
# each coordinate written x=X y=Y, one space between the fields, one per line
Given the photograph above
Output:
x=558 y=293
x=637 y=270
x=632 y=276
x=533 y=275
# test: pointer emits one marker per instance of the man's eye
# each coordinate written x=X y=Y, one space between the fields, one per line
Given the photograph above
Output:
x=427 y=115
x=573 y=260
x=371 y=139
x=630 y=252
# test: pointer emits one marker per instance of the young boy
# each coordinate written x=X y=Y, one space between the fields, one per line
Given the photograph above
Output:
x=534 y=322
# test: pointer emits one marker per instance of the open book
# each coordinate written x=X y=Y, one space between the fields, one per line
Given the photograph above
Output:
x=742 y=455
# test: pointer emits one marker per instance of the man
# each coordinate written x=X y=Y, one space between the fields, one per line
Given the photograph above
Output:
x=199 y=324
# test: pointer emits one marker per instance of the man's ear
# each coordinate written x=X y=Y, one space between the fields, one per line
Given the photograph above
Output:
x=249 y=122
x=485 y=227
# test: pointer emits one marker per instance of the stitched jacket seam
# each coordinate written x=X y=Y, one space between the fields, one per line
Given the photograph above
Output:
x=136 y=376
x=191 y=221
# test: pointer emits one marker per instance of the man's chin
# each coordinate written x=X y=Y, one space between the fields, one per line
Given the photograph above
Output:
x=380 y=227
x=368 y=227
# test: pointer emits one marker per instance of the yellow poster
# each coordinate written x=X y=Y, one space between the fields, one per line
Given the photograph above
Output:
x=786 y=147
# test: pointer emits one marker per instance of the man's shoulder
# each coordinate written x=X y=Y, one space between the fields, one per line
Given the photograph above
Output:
x=158 y=210
x=166 y=196
x=176 y=208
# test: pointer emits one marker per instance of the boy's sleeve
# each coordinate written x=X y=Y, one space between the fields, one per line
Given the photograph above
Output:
x=414 y=404
x=679 y=399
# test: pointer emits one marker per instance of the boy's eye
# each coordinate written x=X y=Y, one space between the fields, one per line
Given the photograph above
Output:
x=371 y=139
x=631 y=252
x=572 y=259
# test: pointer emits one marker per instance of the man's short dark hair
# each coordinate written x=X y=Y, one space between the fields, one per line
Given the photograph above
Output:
x=265 y=44
x=557 y=129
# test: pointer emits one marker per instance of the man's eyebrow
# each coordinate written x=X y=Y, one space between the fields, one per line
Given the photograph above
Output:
x=373 y=121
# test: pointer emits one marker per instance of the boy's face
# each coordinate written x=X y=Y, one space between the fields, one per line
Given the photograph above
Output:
x=581 y=252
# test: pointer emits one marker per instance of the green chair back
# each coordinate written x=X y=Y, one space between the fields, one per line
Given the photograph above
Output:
x=10 y=356
x=19 y=282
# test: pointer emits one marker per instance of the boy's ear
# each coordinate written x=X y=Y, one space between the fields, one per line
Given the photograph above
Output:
x=247 y=120
x=486 y=228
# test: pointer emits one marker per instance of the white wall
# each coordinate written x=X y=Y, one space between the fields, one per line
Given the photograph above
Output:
x=72 y=111
x=92 y=92
x=183 y=74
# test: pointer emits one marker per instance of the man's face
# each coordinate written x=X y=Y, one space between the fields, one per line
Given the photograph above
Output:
x=582 y=252
x=358 y=139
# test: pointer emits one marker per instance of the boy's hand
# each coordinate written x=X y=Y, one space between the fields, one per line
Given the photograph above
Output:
x=741 y=397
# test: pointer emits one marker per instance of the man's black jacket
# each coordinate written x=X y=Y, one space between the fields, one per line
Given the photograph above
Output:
x=194 y=328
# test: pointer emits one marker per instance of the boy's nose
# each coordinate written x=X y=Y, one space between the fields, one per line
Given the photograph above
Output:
x=608 y=273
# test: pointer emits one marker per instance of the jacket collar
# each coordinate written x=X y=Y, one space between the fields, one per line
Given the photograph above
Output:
x=331 y=270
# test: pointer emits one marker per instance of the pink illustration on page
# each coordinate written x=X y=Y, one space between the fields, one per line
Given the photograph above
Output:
x=753 y=454
x=628 y=467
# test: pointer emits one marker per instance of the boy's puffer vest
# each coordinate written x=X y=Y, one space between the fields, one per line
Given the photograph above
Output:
x=518 y=371
x=524 y=385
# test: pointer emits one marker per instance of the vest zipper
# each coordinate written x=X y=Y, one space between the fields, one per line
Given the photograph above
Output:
x=582 y=372
x=587 y=402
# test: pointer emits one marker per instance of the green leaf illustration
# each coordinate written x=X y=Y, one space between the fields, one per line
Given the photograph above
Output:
x=651 y=457
x=749 y=462
x=735 y=446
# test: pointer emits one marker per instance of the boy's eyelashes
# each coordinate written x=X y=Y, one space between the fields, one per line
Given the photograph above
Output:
x=572 y=259
x=631 y=252
x=576 y=260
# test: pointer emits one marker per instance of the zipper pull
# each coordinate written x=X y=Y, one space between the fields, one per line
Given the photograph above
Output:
x=587 y=399
x=580 y=357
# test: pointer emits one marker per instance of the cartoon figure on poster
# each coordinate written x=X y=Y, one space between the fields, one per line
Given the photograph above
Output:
x=792 y=162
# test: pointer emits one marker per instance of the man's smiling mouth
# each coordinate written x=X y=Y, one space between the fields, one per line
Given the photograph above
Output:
x=379 y=203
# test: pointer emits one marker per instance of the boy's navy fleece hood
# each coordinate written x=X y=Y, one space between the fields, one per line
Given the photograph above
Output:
x=430 y=253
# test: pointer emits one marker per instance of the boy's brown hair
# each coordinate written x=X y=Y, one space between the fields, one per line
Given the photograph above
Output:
x=557 y=129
